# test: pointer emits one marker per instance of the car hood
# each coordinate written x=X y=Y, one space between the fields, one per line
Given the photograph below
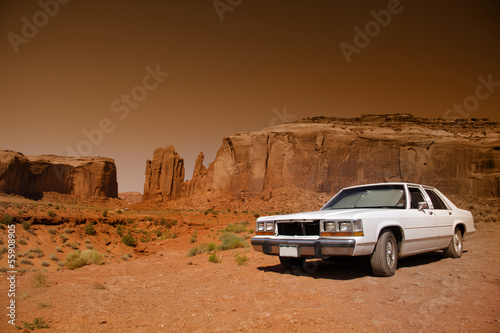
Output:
x=324 y=215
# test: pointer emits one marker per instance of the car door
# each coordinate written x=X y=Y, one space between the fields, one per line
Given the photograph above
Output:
x=421 y=227
x=444 y=217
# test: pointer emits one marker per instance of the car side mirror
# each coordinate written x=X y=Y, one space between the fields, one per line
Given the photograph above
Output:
x=423 y=205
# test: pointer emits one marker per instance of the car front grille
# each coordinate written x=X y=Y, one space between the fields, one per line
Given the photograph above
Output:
x=296 y=228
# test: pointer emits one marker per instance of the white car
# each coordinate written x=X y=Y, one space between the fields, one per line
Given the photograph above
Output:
x=384 y=221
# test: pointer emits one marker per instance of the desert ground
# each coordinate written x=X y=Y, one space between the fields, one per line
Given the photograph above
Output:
x=161 y=286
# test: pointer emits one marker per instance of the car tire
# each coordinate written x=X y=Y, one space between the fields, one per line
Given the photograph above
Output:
x=384 y=259
x=454 y=250
x=294 y=264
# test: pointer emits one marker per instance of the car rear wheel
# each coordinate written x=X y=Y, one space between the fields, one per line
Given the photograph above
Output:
x=384 y=258
x=291 y=263
x=454 y=250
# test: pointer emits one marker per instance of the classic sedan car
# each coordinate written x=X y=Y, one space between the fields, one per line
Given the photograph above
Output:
x=384 y=221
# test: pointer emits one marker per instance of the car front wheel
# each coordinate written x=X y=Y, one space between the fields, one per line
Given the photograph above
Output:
x=384 y=258
x=454 y=250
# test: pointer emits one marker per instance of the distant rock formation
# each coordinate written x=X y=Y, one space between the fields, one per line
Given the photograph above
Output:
x=324 y=155
x=82 y=177
x=164 y=175
x=131 y=197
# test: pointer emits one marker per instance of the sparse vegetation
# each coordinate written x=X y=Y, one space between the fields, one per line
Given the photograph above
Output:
x=39 y=280
x=7 y=219
x=105 y=213
x=58 y=249
x=51 y=213
x=26 y=262
x=52 y=231
x=53 y=257
x=26 y=225
x=241 y=259
x=44 y=304
x=194 y=237
x=98 y=286
x=236 y=228
x=214 y=258
x=119 y=230
x=63 y=237
x=129 y=240
x=45 y=264
x=89 y=229
x=22 y=241
x=77 y=259
x=231 y=241
x=37 y=323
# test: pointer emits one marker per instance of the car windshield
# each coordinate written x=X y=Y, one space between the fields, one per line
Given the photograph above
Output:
x=380 y=196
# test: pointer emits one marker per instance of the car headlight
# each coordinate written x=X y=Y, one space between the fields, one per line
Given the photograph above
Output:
x=342 y=228
x=270 y=226
x=330 y=226
x=265 y=228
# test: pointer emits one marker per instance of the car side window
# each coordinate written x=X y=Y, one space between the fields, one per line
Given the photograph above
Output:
x=436 y=200
x=416 y=197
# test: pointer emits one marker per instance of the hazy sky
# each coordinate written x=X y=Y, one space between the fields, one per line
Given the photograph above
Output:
x=121 y=78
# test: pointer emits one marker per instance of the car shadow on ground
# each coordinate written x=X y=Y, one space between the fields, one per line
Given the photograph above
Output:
x=349 y=268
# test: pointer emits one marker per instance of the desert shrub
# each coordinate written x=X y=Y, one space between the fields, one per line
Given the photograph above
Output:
x=129 y=240
x=26 y=262
x=36 y=251
x=236 y=228
x=231 y=241
x=4 y=249
x=37 y=323
x=44 y=304
x=89 y=246
x=7 y=219
x=148 y=218
x=214 y=258
x=4 y=269
x=194 y=237
x=89 y=229
x=26 y=225
x=211 y=247
x=145 y=239
x=68 y=231
x=59 y=249
x=256 y=215
x=45 y=264
x=63 y=237
x=22 y=241
x=74 y=245
x=105 y=213
x=196 y=250
x=119 y=229
x=51 y=213
x=39 y=280
x=99 y=286
x=241 y=259
x=77 y=259
x=52 y=231
x=158 y=232
x=53 y=257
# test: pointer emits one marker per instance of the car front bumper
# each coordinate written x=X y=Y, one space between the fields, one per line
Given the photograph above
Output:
x=319 y=248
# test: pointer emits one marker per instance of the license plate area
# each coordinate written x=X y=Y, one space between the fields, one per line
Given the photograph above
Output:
x=289 y=251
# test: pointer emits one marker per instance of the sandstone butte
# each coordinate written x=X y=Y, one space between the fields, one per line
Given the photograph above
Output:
x=81 y=177
x=323 y=155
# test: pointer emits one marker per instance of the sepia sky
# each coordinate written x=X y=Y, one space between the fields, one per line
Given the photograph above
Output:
x=121 y=78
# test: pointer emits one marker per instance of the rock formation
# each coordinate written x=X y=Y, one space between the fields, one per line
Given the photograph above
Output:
x=131 y=197
x=164 y=175
x=82 y=177
x=323 y=155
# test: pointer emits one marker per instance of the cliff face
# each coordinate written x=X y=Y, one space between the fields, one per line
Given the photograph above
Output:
x=82 y=177
x=326 y=154
x=164 y=175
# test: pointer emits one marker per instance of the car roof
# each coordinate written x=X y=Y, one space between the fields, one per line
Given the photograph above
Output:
x=391 y=183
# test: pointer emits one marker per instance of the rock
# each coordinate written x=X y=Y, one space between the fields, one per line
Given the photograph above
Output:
x=82 y=177
x=164 y=175
x=131 y=197
x=323 y=155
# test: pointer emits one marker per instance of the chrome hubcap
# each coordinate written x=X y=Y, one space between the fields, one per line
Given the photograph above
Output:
x=389 y=253
x=457 y=244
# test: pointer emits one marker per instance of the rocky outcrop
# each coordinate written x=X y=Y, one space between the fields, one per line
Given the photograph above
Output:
x=131 y=197
x=323 y=155
x=164 y=175
x=82 y=177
